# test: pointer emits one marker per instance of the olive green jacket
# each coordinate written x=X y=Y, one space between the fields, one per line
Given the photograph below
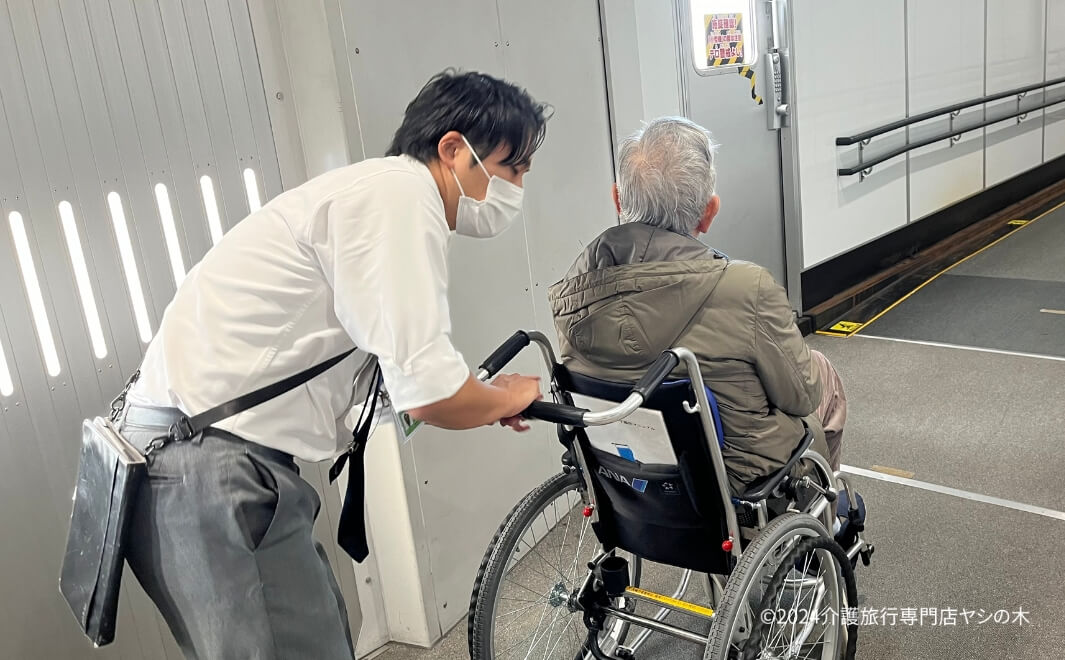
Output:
x=638 y=290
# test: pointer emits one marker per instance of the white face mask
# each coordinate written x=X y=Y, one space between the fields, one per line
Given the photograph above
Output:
x=492 y=215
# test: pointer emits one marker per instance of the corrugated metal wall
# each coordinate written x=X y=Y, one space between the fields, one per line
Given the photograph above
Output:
x=132 y=133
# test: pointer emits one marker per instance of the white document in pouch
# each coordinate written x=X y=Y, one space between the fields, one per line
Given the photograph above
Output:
x=641 y=437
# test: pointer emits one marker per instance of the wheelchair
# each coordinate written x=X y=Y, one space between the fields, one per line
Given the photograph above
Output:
x=643 y=481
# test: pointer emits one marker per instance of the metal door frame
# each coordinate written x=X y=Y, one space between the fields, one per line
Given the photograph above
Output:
x=787 y=147
x=779 y=11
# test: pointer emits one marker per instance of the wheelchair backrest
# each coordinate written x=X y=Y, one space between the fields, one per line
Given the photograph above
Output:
x=656 y=489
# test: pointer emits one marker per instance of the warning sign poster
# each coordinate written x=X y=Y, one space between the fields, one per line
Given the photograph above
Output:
x=724 y=39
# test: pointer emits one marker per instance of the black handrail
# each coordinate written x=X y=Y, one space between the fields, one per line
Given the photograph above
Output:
x=887 y=128
x=866 y=165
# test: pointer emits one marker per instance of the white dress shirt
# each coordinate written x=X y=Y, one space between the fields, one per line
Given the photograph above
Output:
x=356 y=257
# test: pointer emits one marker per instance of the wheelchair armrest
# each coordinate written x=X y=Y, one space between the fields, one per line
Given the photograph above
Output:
x=762 y=488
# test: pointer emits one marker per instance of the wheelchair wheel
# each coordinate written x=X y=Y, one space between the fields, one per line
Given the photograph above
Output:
x=798 y=622
x=750 y=581
x=524 y=599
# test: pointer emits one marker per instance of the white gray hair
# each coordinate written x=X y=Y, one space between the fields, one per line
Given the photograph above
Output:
x=666 y=174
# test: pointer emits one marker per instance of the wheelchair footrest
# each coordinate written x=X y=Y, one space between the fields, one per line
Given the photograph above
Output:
x=671 y=603
x=867 y=554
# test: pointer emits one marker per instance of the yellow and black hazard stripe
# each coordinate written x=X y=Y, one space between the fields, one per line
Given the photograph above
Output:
x=745 y=71
x=748 y=72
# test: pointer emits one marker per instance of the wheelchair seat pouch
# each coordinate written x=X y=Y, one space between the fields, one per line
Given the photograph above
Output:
x=109 y=474
x=654 y=512
x=649 y=500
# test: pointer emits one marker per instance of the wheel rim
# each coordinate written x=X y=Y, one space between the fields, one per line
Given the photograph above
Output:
x=755 y=590
x=535 y=614
x=805 y=624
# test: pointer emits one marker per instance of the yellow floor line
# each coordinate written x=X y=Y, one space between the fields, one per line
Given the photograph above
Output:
x=905 y=474
x=952 y=266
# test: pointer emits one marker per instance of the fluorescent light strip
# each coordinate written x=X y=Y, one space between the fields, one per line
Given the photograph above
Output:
x=251 y=186
x=173 y=248
x=210 y=205
x=81 y=277
x=129 y=264
x=33 y=290
x=7 y=388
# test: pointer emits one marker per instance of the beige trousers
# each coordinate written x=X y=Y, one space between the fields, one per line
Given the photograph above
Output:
x=833 y=407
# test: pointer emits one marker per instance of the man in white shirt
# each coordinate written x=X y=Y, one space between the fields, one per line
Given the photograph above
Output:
x=356 y=258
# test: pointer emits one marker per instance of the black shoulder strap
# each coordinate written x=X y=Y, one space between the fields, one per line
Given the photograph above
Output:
x=188 y=427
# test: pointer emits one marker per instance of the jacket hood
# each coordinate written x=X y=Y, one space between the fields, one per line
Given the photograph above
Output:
x=633 y=292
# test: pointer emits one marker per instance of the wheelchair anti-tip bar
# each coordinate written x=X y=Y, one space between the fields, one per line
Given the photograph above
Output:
x=559 y=413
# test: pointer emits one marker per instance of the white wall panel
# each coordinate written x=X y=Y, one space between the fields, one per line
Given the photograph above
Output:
x=848 y=79
x=567 y=205
x=497 y=286
x=1012 y=147
x=945 y=61
x=90 y=106
x=956 y=50
x=623 y=60
x=1054 y=138
x=642 y=57
x=658 y=60
x=1015 y=57
x=491 y=295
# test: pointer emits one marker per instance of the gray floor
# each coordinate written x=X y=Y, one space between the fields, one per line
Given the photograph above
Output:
x=968 y=419
x=979 y=422
x=989 y=312
x=982 y=422
x=1033 y=253
x=997 y=299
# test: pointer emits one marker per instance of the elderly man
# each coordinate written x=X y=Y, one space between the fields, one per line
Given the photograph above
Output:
x=649 y=284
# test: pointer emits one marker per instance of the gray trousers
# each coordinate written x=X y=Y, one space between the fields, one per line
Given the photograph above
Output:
x=221 y=541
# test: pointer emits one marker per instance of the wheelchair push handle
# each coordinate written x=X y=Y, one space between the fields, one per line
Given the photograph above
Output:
x=580 y=417
x=656 y=374
x=504 y=354
x=556 y=413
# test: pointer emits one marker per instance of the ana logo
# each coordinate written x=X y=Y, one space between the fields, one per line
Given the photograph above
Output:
x=639 y=485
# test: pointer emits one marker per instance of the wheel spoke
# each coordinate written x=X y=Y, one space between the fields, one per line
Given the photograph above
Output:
x=543 y=577
x=561 y=637
x=577 y=557
x=517 y=611
x=518 y=600
x=542 y=559
x=562 y=547
x=519 y=584
x=551 y=625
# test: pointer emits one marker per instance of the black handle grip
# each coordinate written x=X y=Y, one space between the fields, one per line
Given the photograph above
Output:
x=555 y=412
x=505 y=353
x=659 y=371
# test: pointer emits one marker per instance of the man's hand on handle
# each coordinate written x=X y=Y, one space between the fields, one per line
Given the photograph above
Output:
x=522 y=390
x=482 y=404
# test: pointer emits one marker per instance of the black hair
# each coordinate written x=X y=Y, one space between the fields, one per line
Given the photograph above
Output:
x=488 y=111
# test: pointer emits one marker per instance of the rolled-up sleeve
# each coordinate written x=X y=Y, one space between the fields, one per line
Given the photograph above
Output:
x=383 y=248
